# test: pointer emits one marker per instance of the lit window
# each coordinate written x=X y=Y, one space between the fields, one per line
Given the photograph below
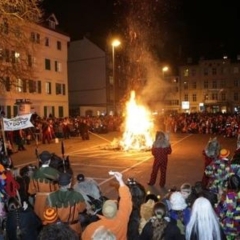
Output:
x=48 y=88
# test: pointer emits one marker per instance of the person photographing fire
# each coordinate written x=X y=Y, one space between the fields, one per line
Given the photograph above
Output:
x=160 y=150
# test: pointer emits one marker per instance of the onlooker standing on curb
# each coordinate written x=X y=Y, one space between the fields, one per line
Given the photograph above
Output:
x=114 y=218
x=160 y=150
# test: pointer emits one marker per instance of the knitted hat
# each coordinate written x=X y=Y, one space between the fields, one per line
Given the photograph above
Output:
x=109 y=209
x=50 y=215
x=177 y=201
x=45 y=156
x=64 y=179
x=2 y=172
x=224 y=153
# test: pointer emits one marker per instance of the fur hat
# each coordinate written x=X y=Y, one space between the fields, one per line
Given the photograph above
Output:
x=224 y=153
x=64 y=179
x=177 y=201
x=109 y=209
x=50 y=215
x=45 y=156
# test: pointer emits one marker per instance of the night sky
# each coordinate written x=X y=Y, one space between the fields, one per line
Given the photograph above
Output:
x=208 y=28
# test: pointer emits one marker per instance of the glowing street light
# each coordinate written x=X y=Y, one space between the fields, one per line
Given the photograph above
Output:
x=115 y=43
x=164 y=69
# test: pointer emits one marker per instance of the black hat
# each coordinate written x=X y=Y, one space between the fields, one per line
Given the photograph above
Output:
x=45 y=156
x=64 y=179
x=80 y=177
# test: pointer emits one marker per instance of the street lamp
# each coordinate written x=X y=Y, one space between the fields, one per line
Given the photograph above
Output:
x=164 y=69
x=115 y=43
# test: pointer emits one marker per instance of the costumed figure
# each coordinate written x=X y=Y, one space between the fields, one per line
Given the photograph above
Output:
x=235 y=162
x=228 y=208
x=218 y=172
x=68 y=202
x=210 y=154
x=43 y=182
x=160 y=150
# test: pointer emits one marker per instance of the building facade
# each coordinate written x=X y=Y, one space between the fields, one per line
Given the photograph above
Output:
x=211 y=86
x=47 y=92
x=87 y=73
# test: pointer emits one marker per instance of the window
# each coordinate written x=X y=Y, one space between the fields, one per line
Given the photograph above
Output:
x=7 y=84
x=46 y=41
x=235 y=70
x=206 y=97
x=194 y=85
x=58 y=66
x=223 y=96
x=214 y=84
x=235 y=96
x=185 y=85
x=59 y=45
x=47 y=64
x=64 y=89
x=214 y=96
x=32 y=85
x=186 y=73
x=185 y=97
x=30 y=62
x=60 y=111
x=39 y=86
x=194 y=97
x=236 y=82
x=35 y=37
x=205 y=71
x=58 y=88
x=24 y=85
x=19 y=85
x=223 y=83
x=7 y=55
x=48 y=88
x=214 y=71
x=205 y=84
x=193 y=72
x=5 y=26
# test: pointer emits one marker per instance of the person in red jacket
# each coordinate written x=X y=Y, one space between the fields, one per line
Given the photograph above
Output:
x=160 y=150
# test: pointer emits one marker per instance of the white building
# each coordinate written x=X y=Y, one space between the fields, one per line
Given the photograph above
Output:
x=47 y=93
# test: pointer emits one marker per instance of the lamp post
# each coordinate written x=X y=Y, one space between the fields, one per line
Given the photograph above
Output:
x=115 y=43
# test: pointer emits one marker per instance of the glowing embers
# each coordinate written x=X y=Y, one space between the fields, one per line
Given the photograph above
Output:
x=138 y=127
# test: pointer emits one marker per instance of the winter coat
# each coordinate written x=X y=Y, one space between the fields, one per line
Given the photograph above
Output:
x=118 y=224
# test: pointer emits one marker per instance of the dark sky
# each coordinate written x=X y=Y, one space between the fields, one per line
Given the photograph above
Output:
x=200 y=27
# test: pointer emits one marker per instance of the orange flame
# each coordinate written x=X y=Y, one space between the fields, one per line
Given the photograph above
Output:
x=138 y=129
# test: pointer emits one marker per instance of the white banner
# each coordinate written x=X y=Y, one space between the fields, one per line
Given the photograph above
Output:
x=19 y=122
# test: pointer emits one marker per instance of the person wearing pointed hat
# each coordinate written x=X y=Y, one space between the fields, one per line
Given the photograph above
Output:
x=68 y=202
x=42 y=182
x=218 y=172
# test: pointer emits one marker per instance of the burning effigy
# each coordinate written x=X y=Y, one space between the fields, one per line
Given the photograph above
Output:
x=138 y=128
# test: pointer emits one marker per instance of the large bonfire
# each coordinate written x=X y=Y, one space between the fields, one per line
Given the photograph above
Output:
x=137 y=127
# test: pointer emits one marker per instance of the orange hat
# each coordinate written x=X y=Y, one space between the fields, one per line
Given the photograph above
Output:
x=50 y=215
x=224 y=153
x=2 y=172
